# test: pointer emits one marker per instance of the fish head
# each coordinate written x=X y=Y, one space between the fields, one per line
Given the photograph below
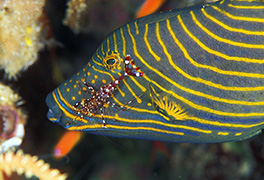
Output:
x=95 y=96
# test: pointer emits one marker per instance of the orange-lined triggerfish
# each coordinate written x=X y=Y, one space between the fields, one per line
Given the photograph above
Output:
x=189 y=75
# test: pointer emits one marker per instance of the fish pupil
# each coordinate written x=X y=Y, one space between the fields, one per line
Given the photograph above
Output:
x=111 y=61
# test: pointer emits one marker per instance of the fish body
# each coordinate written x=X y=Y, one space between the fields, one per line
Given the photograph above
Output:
x=203 y=77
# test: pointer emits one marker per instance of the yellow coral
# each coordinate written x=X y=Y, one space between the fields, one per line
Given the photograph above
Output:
x=20 y=31
x=7 y=96
x=29 y=165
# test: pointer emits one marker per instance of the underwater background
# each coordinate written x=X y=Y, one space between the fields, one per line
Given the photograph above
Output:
x=106 y=158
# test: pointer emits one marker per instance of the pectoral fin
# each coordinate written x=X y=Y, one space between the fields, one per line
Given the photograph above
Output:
x=165 y=105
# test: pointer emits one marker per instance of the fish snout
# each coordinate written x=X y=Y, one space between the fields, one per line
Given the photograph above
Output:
x=54 y=114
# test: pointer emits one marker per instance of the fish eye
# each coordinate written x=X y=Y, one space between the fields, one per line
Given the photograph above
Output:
x=110 y=61
x=113 y=61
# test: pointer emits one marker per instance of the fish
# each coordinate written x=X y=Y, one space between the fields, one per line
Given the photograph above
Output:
x=66 y=143
x=192 y=75
x=149 y=7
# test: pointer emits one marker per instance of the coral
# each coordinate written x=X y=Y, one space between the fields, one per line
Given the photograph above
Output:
x=20 y=32
x=12 y=119
x=98 y=16
x=8 y=97
x=30 y=165
x=75 y=12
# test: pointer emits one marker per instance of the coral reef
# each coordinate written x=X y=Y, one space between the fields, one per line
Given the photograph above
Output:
x=12 y=119
x=20 y=32
x=30 y=165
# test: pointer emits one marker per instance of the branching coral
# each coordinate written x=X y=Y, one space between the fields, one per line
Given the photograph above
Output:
x=20 y=32
x=29 y=165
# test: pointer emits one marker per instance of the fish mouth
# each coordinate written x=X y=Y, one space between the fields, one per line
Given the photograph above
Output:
x=54 y=114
